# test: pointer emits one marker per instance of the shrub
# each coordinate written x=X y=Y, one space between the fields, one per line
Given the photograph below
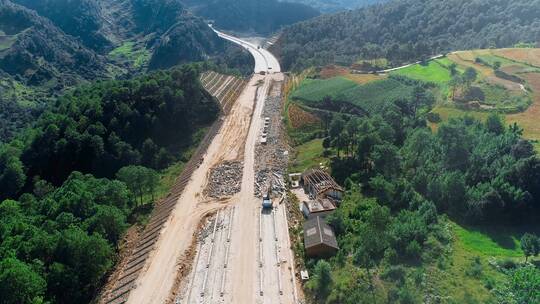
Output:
x=433 y=117
x=476 y=269
x=413 y=250
x=395 y=273
x=508 y=264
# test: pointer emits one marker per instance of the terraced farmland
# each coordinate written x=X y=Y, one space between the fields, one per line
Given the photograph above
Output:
x=225 y=88
x=369 y=97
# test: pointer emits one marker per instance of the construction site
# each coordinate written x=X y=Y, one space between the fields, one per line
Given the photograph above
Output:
x=214 y=239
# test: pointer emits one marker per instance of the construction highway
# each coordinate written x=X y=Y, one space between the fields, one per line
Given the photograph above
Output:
x=225 y=250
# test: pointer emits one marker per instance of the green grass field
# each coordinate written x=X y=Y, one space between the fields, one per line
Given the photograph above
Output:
x=308 y=155
x=499 y=241
x=433 y=71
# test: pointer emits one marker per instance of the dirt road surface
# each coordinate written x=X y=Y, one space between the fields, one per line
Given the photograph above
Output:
x=219 y=276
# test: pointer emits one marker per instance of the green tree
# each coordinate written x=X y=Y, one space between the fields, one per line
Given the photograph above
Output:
x=496 y=65
x=149 y=153
x=373 y=240
x=455 y=83
x=337 y=127
x=530 y=244
x=81 y=262
x=12 y=176
x=469 y=76
x=19 y=284
x=109 y=222
x=321 y=281
x=453 y=68
x=140 y=180
x=495 y=124
x=421 y=97
x=525 y=285
x=386 y=159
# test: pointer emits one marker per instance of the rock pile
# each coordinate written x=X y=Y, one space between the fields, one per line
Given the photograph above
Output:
x=225 y=180
x=265 y=178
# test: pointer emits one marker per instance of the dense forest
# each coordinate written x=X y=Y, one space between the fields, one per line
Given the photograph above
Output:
x=404 y=182
x=407 y=30
x=63 y=212
x=102 y=127
x=260 y=16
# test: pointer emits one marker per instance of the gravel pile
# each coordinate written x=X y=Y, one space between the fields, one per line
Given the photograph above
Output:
x=225 y=180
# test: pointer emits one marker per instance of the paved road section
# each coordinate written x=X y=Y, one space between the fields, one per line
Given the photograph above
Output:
x=264 y=60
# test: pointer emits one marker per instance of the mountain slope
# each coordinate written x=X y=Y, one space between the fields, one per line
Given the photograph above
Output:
x=261 y=16
x=82 y=19
x=405 y=30
x=103 y=25
x=36 y=52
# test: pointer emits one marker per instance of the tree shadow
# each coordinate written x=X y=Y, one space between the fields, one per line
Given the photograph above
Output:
x=504 y=235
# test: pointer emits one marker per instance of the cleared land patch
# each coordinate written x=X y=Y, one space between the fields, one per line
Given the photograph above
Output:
x=528 y=56
x=364 y=78
x=133 y=54
x=528 y=120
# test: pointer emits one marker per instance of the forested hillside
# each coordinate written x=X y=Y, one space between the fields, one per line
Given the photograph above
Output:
x=49 y=46
x=82 y=19
x=406 y=30
x=428 y=213
x=35 y=52
x=59 y=228
x=260 y=16
x=102 y=127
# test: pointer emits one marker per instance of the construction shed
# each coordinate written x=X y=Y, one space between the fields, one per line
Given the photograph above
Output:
x=318 y=207
x=319 y=184
x=319 y=238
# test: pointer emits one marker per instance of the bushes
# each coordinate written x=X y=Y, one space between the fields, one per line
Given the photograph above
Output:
x=433 y=117
x=475 y=270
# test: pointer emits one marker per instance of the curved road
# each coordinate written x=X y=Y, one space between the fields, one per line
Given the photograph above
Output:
x=264 y=60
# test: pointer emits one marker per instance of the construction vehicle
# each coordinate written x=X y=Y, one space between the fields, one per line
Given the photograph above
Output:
x=267 y=200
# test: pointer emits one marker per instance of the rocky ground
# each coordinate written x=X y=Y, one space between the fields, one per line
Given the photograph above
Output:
x=272 y=157
x=225 y=179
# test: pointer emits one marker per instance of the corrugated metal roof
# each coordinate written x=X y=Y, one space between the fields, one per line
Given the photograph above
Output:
x=317 y=232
